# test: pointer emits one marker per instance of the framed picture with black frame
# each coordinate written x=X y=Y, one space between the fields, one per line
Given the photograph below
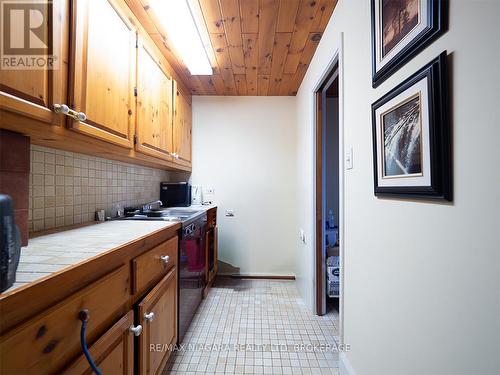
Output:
x=411 y=136
x=400 y=30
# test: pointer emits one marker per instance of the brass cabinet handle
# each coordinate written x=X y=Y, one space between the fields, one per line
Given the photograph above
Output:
x=137 y=330
x=149 y=316
x=65 y=110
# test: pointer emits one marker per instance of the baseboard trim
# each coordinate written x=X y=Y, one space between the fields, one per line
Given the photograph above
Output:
x=345 y=367
x=257 y=277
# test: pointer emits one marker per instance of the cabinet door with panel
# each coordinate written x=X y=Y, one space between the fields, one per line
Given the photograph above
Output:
x=182 y=128
x=104 y=71
x=113 y=352
x=154 y=103
x=157 y=313
x=51 y=339
x=33 y=92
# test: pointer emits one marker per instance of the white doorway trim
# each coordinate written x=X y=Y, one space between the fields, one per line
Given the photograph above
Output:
x=337 y=49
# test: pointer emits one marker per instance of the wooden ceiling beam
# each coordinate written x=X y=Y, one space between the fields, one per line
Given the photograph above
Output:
x=323 y=15
x=212 y=15
x=262 y=85
x=280 y=51
x=287 y=15
x=230 y=10
x=268 y=18
x=303 y=22
x=255 y=47
x=249 y=10
x=251 y=54
x=219 y=44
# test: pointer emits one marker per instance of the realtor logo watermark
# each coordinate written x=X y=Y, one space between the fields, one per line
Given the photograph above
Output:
x=24 y=38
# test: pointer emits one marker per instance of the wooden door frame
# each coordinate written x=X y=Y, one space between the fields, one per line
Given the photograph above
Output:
x=319 y=214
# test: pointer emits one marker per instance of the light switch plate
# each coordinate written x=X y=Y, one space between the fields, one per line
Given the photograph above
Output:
x=348 y=158
x=302 y=236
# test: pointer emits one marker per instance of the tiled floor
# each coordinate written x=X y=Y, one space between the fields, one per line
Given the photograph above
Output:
x=257 y=327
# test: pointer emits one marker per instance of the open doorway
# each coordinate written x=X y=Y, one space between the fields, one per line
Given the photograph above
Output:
x=328 y=194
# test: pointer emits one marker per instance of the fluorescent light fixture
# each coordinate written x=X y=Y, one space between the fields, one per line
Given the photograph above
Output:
x=176 y=17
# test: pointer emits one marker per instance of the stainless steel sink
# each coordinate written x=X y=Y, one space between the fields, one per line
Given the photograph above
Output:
x=165 y=214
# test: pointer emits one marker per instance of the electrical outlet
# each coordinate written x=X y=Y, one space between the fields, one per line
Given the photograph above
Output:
x=210 y=190
x=230 y=213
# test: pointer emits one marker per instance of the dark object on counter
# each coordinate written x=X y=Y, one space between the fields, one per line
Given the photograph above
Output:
x=175 y=194
x=10 y=243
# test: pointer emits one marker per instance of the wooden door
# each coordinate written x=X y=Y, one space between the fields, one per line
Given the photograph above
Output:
x=33 y=92
x=182 y=127
x=157 y=313
x=154 y=104
x=113 y=352
x=104 y=60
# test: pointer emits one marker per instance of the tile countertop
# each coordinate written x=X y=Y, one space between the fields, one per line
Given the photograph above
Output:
x=50 y=253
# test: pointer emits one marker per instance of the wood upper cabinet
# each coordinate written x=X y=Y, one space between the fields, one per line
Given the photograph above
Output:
x=182 y=127
x=113 y=352
x=33 y=92
x=104 y=70
x=154 y=103
x=157 y=313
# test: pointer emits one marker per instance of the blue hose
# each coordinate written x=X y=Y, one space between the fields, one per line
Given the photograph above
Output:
x=84 y=319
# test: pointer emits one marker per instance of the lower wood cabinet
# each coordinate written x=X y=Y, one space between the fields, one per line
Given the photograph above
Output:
x=113 y=353
x=128 y=332
x=157 y=313
x=51 y=339
x=211 y=249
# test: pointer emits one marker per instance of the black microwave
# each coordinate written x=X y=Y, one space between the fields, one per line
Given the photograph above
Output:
x=175 y=194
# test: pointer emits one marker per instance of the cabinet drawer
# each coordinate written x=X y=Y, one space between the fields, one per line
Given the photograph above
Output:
x=152 y=265
x=49 y=341
x=113 y=352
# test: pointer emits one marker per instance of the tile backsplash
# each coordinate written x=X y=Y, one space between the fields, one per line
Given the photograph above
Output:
x=66 y=188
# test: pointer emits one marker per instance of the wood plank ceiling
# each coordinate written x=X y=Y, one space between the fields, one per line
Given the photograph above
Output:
x=256 y=47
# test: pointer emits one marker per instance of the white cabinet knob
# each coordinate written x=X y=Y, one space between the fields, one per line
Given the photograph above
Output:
x=165 y=259
x=149 y=316
x=136 y=330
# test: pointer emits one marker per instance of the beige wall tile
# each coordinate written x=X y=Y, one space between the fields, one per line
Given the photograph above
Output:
x=67 y=188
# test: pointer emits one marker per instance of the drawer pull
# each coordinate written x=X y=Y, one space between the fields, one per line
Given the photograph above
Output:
x=65 y=110
x=137 y=330
x=149 y=316
x=165 y=259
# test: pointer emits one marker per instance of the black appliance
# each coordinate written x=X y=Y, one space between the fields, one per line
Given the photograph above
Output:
x=175 y=194
x=191 y=270
x=10 y=243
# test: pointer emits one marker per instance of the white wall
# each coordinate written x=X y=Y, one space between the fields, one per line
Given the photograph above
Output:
x=244 y=147
x=421 y=278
